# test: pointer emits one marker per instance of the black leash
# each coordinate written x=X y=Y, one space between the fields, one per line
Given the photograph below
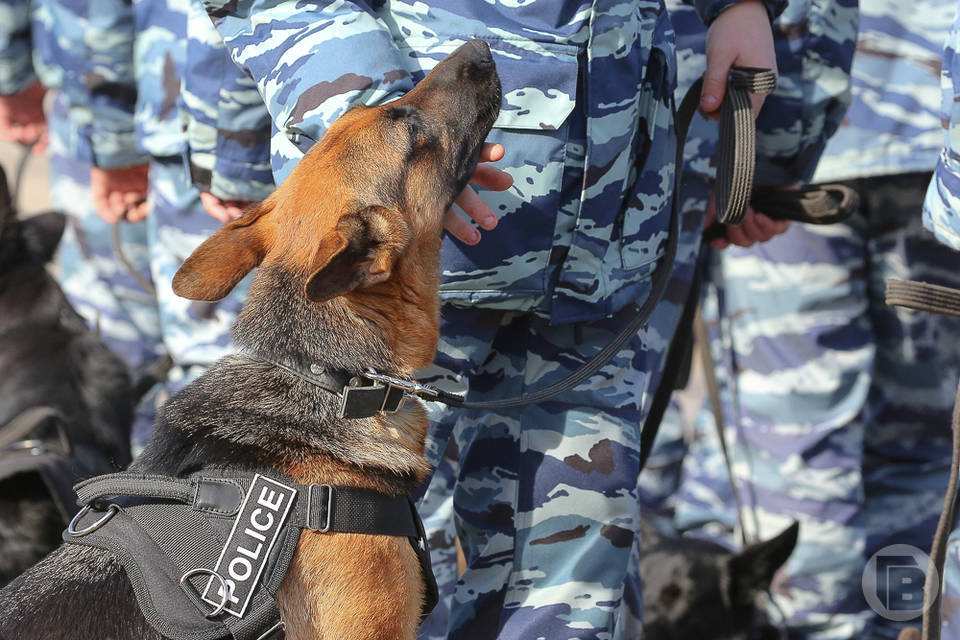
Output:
x=943 y=300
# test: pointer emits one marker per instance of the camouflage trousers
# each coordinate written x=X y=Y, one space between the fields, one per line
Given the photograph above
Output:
x=137 y=325
x=837 y=406
x=544 y=498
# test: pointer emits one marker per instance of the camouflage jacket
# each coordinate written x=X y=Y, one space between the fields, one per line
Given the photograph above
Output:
x=46 y=40
x=16 y=63
x=145 y=89
x=815 y=45
x=893 y=125
x=941 y=210
x=586 y=83
x=226 y=123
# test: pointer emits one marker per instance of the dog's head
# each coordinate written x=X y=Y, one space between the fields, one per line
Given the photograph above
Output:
x=698 y=589
x=367 y=201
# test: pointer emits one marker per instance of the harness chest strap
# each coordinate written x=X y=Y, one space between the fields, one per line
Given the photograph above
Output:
x=206 y=554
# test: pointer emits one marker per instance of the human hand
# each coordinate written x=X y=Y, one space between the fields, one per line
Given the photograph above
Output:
x=740 y=36
x=120 y=193
x=487 y=177
x=223 y=210
x=755 y=227
x=22 y=120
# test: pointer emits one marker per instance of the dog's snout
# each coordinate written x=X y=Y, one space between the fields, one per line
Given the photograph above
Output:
x=480 y=52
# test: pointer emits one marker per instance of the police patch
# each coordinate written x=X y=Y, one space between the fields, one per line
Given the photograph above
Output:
x=255 y=531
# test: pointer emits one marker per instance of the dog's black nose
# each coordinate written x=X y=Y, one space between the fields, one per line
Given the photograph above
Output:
x=479 y=51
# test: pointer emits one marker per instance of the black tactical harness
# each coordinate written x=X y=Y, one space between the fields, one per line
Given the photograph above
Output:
x=59 y=462
x=206 y=554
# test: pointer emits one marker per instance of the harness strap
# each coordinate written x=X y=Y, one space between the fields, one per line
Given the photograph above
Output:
x=53 y=457
x=27 y=422
x=943 y=300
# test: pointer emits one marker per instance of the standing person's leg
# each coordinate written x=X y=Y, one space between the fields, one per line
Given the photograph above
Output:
x=908 y=415
x=546 y=497
x=465 y=342
x=100 y=288
x=803 y=353
x=195 y=333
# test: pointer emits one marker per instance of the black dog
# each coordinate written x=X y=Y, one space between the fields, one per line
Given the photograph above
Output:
x=695 y=589
x=65 y=400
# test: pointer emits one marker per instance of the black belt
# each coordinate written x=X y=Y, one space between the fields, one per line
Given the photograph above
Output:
x=206 y=554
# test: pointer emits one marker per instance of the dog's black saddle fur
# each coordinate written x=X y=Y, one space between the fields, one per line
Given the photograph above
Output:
x=184 y=542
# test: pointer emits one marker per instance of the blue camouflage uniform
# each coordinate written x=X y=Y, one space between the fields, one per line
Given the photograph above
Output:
x=203 y=127
x=545 y=497
x=941 y=215
x=837 y=406
x=44 y=39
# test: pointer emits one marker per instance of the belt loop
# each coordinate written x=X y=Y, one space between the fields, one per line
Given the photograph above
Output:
x=323 y=512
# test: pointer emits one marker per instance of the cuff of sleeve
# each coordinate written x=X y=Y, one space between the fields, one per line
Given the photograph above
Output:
x=114 y=150
x=240 y=180
x=710 y=9
x=941 y=208
x=14 y=78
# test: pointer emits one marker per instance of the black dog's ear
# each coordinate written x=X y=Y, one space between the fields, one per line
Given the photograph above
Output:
x=360 y=251
x=8 y=212
x=752 y=569
x=41 y=233
x=217 y=265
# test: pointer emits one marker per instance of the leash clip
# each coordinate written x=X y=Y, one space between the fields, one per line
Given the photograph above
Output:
x=411 y=387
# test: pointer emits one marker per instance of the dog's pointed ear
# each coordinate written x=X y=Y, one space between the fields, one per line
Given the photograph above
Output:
x=41 y=233
x=753 y=568
x=217 y=265
x=360 y=251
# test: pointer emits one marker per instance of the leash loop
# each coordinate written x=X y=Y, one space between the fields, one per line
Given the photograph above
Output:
x=737 y=158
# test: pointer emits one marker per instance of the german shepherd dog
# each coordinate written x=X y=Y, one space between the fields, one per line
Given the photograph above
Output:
x=61 y=382
x=348 y=256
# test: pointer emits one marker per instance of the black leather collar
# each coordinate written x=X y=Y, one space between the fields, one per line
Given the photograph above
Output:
x=366 y=394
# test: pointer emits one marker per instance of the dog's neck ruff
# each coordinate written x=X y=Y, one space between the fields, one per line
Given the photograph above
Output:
x=169 y=535
x=366 y=394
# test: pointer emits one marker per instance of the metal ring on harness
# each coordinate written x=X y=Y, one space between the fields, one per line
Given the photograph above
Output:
x=224 y=588
x=72 y=530
x=272 y=630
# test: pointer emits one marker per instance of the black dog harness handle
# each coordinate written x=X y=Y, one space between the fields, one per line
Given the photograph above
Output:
x=206 y=554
